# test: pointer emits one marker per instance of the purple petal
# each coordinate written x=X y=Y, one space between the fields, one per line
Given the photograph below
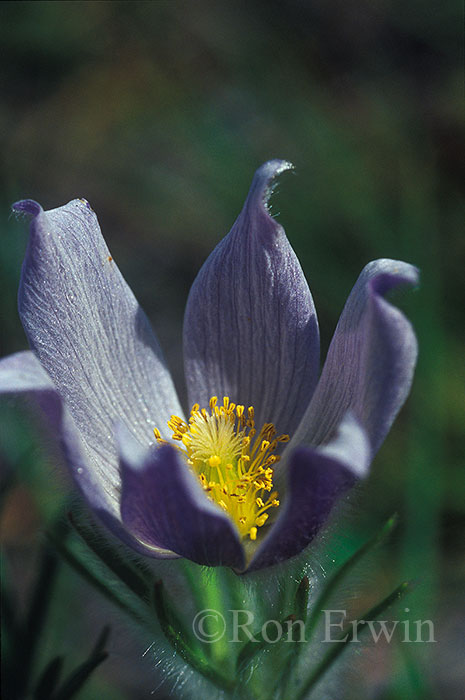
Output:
x=250 y=329
x=22 y=374
x=317 y=477
x=371 y=360
x=163 y=505
x=90 y=334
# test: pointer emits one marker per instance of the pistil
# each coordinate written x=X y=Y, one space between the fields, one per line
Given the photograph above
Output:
x=233 y=462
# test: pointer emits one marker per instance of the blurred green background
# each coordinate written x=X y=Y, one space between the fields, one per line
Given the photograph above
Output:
x=158 y=113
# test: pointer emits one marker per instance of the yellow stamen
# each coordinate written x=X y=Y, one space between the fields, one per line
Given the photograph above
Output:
x=231 y=459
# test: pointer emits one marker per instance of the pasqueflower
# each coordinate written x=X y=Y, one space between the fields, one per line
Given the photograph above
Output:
x=250 y=476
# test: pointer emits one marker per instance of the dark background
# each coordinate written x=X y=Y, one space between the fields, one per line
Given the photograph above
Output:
x=158 y=113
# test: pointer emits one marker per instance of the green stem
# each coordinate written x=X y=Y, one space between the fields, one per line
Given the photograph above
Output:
x=207 y=587
x=293 y=650
x=194 y=576
x=177 y=641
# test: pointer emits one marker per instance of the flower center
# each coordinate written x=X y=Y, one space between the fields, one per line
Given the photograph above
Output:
x=232 y=461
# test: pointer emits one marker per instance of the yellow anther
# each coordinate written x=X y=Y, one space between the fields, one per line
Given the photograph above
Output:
x=231 y=459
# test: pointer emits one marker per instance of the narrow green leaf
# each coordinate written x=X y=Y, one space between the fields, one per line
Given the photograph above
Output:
x=79 y=676
x=252 y=648
x=94 y=580
x=30 y=629
x=9 y=608
x=6 y=484
x=177 y=641
x=248 y=652
x=301 y=599
x=325 y=595
x=49 y=679
x=77 y=679
x=102 y=640
x=111 y=557
x=343 y=570
x=291 y=652
x=42 y=593
x=351 y=631
x=294 y=651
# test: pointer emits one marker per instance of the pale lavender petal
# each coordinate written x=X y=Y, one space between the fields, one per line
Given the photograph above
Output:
x=22 y=374
x=90 y=334
x=371 y=360
x=317 y=477
x=250 y=329
x=163 y=505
